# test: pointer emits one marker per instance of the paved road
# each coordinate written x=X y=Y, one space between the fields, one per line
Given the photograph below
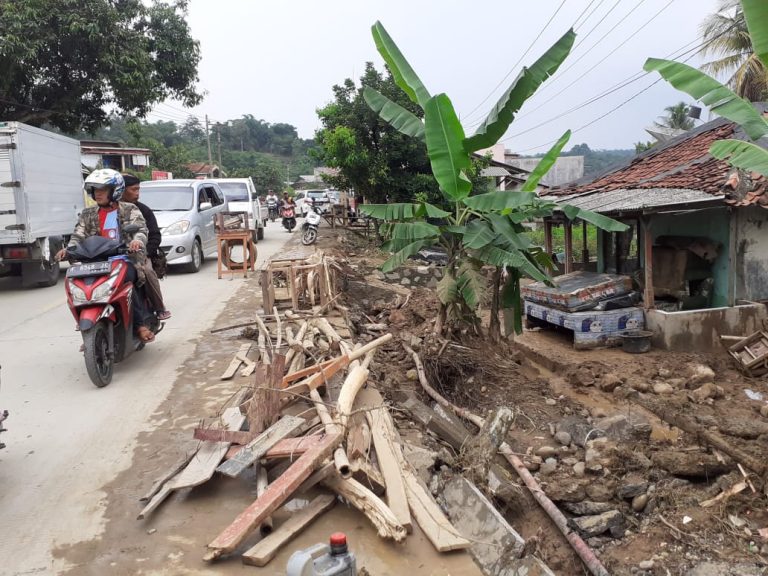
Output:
x=68 y=438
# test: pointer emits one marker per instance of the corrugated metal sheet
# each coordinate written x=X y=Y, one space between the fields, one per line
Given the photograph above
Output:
x=494 y=171
x=632 y=200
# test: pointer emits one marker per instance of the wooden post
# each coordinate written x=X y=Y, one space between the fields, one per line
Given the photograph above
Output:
x=568 y=246
x=548 y=236
x=648 y=297
x=584 y=249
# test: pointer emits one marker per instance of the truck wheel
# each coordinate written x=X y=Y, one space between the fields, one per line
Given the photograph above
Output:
x=260 y=233
x=197 y=258
x=98 y=359
x=52 y=272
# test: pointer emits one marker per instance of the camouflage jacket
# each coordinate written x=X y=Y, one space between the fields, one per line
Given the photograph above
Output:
x=88 y=225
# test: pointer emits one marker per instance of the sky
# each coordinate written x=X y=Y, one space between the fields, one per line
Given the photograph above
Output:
x=279 y=60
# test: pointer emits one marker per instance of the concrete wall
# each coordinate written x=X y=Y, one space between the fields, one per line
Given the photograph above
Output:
x=713 y=224
x=751 y=253
x=700 y=330
x=565 y=169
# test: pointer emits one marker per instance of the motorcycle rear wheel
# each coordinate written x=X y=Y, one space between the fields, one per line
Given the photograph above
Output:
x=309 y=236
x=98 y=360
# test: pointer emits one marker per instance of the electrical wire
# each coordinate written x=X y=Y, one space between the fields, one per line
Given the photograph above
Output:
x=514 y=66
x=576 y=23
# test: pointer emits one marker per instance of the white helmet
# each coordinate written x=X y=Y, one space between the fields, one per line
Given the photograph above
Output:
x=106 y=178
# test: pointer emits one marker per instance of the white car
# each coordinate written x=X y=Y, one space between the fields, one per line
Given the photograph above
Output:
x=320 y=198
x=242 y=197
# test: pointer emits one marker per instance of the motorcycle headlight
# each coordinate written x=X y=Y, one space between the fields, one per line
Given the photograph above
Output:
x=177 y=228
x=78 y=295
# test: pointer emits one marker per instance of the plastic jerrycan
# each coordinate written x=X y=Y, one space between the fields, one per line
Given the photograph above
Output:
x=323 y=559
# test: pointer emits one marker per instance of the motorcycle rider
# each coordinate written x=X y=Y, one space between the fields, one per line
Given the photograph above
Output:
x=288 y=205
x=131 y=194
x=108 y=218
x=272 y=201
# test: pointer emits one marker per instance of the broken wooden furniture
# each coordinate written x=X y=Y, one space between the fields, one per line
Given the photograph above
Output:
x=232 y=231
x=307 y=280
x=751 y=354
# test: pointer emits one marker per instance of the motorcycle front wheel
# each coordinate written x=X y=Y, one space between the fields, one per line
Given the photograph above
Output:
x=98 y=359
x=309 y=236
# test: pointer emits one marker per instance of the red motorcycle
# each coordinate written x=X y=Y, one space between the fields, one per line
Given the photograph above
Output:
x=289 y=217
x=100 y=296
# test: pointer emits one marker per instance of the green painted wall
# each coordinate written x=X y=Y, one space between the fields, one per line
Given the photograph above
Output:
x=712 y=224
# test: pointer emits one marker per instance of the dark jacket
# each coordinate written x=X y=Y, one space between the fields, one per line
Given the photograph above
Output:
x=153 y=237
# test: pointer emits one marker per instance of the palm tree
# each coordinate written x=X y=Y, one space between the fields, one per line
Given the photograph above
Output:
x=726 y=37
x=677 y=117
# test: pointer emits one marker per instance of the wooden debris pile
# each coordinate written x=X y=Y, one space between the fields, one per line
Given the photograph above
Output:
x=303 y=278
x=308 y=421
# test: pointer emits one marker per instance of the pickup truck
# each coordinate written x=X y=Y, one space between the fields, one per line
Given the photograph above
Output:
x=41 y=197
x=242 y=197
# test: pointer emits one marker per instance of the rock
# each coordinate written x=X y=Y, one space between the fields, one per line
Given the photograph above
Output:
x=570 y=461
x=405 y=282
x=568 y=491
x=531 y=465
x=591 y=455
x=662 y=433
x=764 y=410
x=393 y=277
x=639 y=502
x=549 y=466
x=725 y=569
x=705 y=392
x=662 y=388
x=676 y=382
x=610 y=381
x=550 y=402
x=611 y=521
x=598 y=412
x=412 y=375
x=646 y=565
x=421 y=459
x=546 y=451
x=664 y=372
x=599 y=492
x=582 y=376
x=578 y=428
x=587 y=507
x=563 y=437
x=579 y=469
x=699 y=374
x=632 y=485
x=639 y=384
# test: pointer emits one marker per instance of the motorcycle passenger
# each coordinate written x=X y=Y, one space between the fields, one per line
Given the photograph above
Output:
x=108 y=218
x=131 y=194
x=288 y=212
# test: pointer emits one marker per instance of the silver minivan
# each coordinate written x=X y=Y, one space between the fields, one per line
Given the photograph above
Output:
x=185 y=212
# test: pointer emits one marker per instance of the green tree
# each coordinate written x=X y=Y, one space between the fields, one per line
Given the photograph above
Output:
x=677 y=117
x=727 y=38
x=63 y=62
x=475 y=230
x=373 y=158
x=641 y=147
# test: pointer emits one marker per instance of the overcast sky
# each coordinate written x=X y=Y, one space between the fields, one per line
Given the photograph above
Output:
x=278 y=60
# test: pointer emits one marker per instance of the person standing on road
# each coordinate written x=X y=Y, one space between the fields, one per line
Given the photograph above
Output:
x=131 y=194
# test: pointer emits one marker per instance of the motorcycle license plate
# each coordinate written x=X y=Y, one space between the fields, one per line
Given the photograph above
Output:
x=89 y=269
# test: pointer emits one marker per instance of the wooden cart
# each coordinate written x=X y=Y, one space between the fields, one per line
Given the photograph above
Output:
x=751 y=354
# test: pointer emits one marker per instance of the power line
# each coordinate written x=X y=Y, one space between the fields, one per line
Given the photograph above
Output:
x=576 y=23
x=514 y=66
x=581 y=41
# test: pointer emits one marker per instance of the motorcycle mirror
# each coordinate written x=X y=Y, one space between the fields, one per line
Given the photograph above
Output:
x=132 y=228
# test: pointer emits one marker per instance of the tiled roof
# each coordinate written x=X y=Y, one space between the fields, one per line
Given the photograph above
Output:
x=683 y=163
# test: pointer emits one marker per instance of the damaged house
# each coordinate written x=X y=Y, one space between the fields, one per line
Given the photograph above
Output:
x=695 y=257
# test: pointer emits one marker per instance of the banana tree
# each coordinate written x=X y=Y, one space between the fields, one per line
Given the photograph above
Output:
x=475 y=230
x=723 y=101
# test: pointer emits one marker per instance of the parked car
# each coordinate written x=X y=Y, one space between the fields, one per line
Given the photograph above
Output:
x=320 y=197
x=242 y=197
x=185 y=211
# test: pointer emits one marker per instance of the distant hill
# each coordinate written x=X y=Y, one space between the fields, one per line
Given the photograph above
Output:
x=596 y=161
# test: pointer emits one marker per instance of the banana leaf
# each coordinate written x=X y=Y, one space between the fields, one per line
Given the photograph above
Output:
x=395 y=115
x=719 y=98
x=396 y=211
x=599 y=220
x=545 y=164
x=471 y=283
x=510 y=299
x=414 y=231
x=506 y=232
x=742 y=155
x=496 y=256
x=528 y=81
x=447 y=288
x=444 y=136
x=499 y=200
x=399 y=257
x=478 y=234
x=404 y=75
x=433 y=211
x=756 y=14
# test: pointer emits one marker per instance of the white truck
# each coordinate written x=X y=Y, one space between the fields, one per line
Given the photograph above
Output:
x=41 y=196
x=241 y=196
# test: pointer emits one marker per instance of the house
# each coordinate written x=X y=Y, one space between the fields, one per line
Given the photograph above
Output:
x=316 y=179
x=697 y=243
x=511 y=169
x=106 y=154
x=205 y=170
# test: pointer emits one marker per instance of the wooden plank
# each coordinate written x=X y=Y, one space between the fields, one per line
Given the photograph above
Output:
x=235 y=364
x=275 y=495
x=250 y=365
x=383 y=436
x=298 y=375
x=218 y=435
x=454 y=435
x=648 y=293
x=257 y=447
x=292 y=447
x=265 y=550
x=201 y=467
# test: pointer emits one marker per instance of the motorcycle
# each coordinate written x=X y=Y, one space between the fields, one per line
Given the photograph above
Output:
x=101 y=299
x=309 y=228
x=289 y=218
x=272 y=212
x=3 y=417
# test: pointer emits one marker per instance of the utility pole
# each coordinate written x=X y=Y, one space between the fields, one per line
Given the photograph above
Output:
x=218 y=140
x=288 y=174
x=208 y=140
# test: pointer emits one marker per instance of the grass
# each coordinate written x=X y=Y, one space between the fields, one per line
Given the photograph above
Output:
x=558 y=239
